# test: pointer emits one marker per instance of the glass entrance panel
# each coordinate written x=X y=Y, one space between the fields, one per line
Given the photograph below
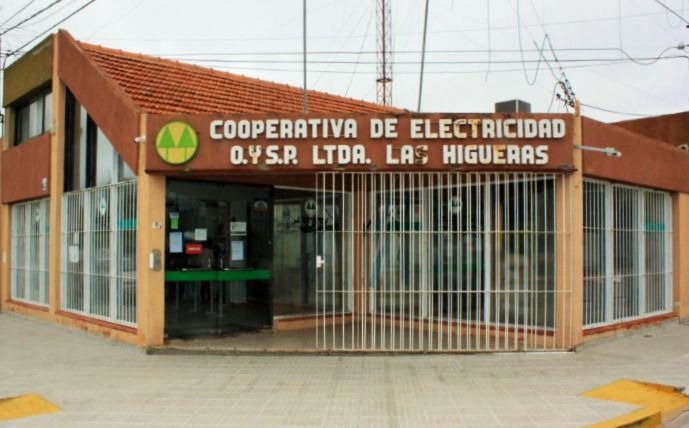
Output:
x=217 y=261
x=297 y=216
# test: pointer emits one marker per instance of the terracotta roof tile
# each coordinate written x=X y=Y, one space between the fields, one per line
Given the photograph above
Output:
x=159 y=85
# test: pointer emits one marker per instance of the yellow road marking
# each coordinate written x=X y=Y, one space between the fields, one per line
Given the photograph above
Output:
x=658 y=403
x=24 y=406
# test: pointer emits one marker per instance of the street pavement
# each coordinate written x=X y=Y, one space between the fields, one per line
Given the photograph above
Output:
x=100 y=383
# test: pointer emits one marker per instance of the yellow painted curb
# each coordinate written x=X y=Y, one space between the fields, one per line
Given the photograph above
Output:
x=24 y=406
x=657 y=402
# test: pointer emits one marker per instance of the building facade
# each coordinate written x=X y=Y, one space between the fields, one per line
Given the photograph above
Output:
x=145 y=199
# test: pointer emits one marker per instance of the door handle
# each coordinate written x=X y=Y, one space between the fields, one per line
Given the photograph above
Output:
x=320 y=261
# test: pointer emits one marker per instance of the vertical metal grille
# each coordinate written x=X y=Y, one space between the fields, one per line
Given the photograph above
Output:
x=628 y=260
x=30 y=235
x=446 y=261
x=99 y=252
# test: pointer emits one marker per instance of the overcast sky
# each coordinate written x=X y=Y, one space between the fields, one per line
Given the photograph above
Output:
x=481 y=62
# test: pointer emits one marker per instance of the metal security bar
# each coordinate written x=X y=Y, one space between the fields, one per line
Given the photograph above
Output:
x=99 y=252
x=30 y=236
x=627 y=253
x=445 y=262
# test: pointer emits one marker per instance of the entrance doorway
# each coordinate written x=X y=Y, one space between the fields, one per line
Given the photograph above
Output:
x=448 y=261
x=218 y=258
x=298 y=216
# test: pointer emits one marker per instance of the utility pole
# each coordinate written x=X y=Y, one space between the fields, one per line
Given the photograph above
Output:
x=384 y=61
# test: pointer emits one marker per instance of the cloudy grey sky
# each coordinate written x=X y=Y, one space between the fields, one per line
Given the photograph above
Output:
x=474 y=57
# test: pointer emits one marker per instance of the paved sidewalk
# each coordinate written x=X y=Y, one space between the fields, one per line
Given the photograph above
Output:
x=99 y=383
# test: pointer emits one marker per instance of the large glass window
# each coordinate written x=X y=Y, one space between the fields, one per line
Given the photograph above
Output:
x=30 y=232
x=99 y=252
x=33 y=117
x=443 y=261
x=480 y=249
x=99 y=224
x=297 y=216
x=627 y=253
x=90 y=158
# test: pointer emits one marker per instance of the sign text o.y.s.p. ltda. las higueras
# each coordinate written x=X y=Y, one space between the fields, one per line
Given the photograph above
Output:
x=364 y=142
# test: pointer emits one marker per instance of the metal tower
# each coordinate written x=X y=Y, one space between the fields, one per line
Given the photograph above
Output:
x=384 y=60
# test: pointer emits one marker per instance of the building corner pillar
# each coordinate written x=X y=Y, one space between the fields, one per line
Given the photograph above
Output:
x=570 y=242
x=150 y=237
x=680 y=254
x=56 y=183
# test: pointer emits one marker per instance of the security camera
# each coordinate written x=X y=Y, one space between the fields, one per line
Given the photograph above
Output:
x=140 y=139
x=684 y=147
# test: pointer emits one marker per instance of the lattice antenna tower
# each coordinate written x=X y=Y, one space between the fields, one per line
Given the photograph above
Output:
x=384 y=60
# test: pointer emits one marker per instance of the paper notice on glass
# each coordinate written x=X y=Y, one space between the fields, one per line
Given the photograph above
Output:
x=176 y=241
x=237 y=251
x=200 y=234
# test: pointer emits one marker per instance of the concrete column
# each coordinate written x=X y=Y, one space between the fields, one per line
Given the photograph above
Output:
x=150 y=236
x=57 y=156
x=570 y=254
x=680 y=253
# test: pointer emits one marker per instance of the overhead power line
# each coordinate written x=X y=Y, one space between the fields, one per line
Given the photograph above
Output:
x=46 y=31
x=672 y=12
x=607 y=110
x=637 y=60
x=22 y=9
x=35 y=14
x=396 y=34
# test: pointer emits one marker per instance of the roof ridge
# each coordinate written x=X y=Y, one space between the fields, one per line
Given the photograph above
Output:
x=152 y=59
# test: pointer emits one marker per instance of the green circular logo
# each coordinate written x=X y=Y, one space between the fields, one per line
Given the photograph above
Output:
x=177 y=143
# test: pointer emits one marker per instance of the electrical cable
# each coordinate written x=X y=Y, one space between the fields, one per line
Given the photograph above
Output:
x=17 y=12
x=637 y=60
x=406 y=33
x=358 y=58
x=13 y=52
x=342 y=27
x=667 y=18
x=672 y=12
x=397 y=52
x=37 y=21
x=607 y=110
x=35 y=14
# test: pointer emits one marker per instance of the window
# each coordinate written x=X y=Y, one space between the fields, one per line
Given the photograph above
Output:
x=33 y=117
x=627 y=253
x=30 y=232
x=99 y=252
x=99 y=224
x=90 y=158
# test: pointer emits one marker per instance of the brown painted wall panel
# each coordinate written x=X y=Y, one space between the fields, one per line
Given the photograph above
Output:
x=23 y=168
x=112 y=111
x=213 y=156
x=645 y=161
x=29 y=72
x=671 y=128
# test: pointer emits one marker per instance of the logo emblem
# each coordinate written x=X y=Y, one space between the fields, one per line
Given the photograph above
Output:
x=177 y=143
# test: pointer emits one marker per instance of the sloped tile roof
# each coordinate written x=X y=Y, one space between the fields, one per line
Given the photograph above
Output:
x=159 y=85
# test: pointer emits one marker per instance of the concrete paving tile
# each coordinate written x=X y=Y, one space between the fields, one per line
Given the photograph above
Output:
x=101 y=383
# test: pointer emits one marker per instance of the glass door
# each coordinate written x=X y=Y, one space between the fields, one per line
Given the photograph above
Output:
x=217 y=260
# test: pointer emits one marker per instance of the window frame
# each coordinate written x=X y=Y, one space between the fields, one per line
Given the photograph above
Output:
x=118 y=168
x=603 y=312
x=44 y=95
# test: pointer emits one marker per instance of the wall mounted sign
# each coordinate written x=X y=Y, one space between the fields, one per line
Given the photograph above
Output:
x=364 y=142
x=176 y=143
